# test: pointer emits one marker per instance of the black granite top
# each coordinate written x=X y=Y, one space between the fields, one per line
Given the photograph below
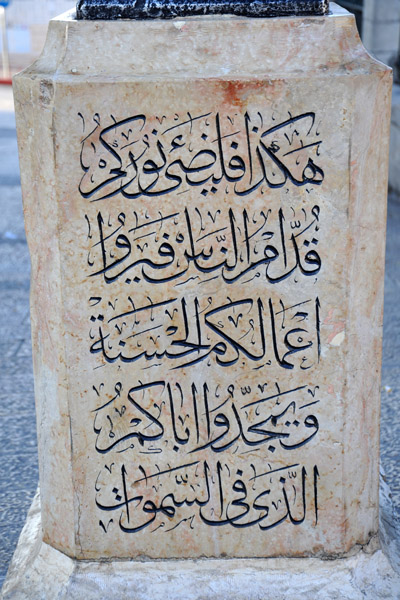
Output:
x=167 y=9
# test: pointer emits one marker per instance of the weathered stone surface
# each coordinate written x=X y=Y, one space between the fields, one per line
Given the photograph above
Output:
x=206 y=213
x=39 y=571
x=166 y=9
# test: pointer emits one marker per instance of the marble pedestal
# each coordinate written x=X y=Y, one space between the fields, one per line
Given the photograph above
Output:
x=205 y=203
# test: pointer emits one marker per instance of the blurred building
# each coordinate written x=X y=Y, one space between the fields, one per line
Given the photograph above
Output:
x=378 y=22
x=379 y=25
x=26 y=27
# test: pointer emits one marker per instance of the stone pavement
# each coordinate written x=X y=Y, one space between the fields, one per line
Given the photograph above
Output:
x=18 y=465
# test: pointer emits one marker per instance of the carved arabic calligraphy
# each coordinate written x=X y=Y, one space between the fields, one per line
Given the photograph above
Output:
x=197 y=242
x=139 y=157
x=204 y=318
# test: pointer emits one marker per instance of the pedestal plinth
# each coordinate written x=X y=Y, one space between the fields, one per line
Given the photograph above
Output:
x=205 y=202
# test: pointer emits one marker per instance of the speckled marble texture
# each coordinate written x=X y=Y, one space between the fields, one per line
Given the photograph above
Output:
x=167 y=9
x=207 y=235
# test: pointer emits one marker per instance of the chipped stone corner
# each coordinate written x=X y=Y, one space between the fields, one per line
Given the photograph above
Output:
x=46 y=92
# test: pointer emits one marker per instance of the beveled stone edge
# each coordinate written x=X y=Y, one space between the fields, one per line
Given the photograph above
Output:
x=169 y=9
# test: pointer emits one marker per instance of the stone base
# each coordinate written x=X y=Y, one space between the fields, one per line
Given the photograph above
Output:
x=39 y=572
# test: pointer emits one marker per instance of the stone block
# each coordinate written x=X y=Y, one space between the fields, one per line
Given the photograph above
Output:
x=205 y=204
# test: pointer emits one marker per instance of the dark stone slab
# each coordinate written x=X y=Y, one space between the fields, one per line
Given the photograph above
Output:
x=168 y=9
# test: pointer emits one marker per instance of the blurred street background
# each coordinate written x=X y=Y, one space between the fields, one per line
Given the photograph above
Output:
x=379 y=24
